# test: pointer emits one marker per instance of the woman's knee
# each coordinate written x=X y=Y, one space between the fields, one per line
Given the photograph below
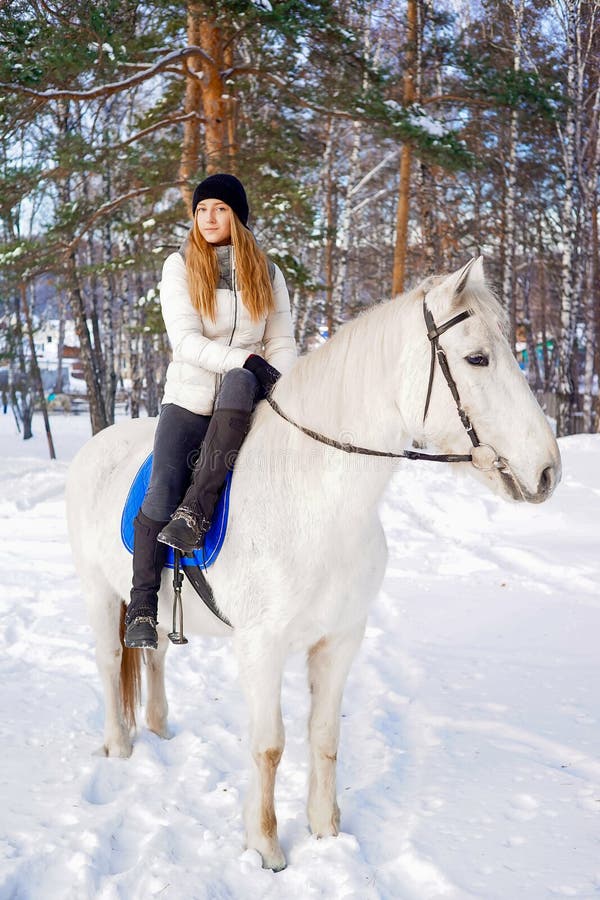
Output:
x=162 y=500
x=239 y=390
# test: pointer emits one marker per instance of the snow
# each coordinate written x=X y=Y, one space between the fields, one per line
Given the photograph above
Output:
x=420 y=119
x=469 y=764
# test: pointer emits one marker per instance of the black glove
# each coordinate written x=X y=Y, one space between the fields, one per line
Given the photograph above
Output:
x=265 y=374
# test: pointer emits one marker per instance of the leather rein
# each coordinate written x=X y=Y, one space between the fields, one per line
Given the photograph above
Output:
x=482 y=456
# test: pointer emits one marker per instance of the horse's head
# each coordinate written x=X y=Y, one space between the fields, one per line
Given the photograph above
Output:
x=522 y=460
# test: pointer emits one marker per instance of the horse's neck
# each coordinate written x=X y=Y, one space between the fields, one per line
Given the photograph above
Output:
x=343 y=391
x=345 y=388
x=307 y=479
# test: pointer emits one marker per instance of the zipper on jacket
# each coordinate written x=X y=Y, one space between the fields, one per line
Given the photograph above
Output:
x=235 y=298
x=219 y=378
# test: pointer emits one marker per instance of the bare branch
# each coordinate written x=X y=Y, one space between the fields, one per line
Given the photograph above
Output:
x=284 y=86
x=371 y=174
x=107 y=90
x=107 y=208
x=62 y=172
x=455 y=98
x=164 y=123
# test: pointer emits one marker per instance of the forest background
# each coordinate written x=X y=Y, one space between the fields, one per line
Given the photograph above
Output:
x=380 y=142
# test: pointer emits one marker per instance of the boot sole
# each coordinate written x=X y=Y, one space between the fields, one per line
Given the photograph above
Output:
x=186 y=550
x=140 y=635
x=141 y=644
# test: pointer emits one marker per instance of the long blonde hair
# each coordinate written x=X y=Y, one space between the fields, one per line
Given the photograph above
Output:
x=251 y=266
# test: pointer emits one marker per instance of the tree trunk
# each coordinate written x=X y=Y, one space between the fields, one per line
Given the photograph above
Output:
x=429 y=233
x=132 y=330
x=91 y=355
x=565 y=388
x=135 y=395
x=344 y=234
x=60 y=349
x=330 y=226
x=399 y=272
x=533 y=367
x=190 y=149
x=35 y=369
x=591 y=329
x=219 y=127
x=207 y=99
x=149 y=354
x=107 y=348
x=409 y=94
x=588 y=165
x=23 y=405
x=508 y=298
x=98 y=416
x=546 y=372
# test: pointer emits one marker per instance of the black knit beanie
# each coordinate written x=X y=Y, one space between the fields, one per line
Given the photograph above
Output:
x=223 y=187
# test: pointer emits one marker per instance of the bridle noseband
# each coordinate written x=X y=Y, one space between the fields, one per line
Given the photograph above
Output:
x=483 y=456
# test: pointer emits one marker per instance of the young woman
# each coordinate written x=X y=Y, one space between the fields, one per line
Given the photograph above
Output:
x=227 y=313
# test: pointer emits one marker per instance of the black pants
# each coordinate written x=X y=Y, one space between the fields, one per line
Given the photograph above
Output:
x=179 y=435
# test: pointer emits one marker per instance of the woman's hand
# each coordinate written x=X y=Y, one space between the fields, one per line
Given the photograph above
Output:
x=265 y=374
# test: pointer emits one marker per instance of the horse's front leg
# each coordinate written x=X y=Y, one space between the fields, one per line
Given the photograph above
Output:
x=329 y=661
x=260 y=667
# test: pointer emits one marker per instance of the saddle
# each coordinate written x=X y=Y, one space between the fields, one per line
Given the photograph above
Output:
x=192 y=566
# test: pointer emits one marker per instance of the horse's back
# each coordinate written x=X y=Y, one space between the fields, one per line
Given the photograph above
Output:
x=99 y=479
x=116 y=442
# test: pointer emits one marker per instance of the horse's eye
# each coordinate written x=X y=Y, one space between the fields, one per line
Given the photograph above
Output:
x=478 y=359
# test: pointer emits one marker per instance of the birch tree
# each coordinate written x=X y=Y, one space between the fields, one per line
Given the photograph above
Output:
x=580 y=21
x=517 y=8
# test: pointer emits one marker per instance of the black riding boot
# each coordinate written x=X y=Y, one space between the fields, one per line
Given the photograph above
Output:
x=149 y=557
x=192 y=519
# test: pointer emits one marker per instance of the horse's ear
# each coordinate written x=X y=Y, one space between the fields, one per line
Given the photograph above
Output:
x=467 y=276
x=461 y=277
x=471 y=272
x=445 y=295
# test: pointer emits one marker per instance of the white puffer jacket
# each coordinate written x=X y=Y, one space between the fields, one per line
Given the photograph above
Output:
x=204 y=350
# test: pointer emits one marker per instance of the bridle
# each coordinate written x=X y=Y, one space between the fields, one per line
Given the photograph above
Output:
x=483 y=456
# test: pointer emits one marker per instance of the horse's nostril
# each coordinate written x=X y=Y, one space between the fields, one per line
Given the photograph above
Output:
x=546 y=481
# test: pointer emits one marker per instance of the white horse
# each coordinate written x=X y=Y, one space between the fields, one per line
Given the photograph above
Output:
x=305 y=552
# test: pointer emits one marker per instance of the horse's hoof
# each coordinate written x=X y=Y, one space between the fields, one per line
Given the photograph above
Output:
x=119 y=749
x=325 y=832
x=328 y=826
x=270 y=853
x=161 y=731
x=275 y=862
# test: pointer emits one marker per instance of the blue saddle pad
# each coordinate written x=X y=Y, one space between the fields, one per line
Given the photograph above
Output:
x=213 y=541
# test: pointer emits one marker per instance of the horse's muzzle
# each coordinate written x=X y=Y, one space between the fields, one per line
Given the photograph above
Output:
x=548 y=479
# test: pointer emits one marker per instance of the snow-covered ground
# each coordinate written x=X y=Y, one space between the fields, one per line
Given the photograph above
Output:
x=469 y=763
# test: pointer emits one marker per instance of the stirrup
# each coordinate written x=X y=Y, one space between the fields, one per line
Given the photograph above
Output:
x=177 y=636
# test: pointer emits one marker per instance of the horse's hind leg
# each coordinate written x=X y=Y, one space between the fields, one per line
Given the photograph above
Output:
x=156 y=705
x=105 y=611
x=260 y=669
x=329 y=661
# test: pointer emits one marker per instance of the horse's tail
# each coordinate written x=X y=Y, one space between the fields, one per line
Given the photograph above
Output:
x=131 y=677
